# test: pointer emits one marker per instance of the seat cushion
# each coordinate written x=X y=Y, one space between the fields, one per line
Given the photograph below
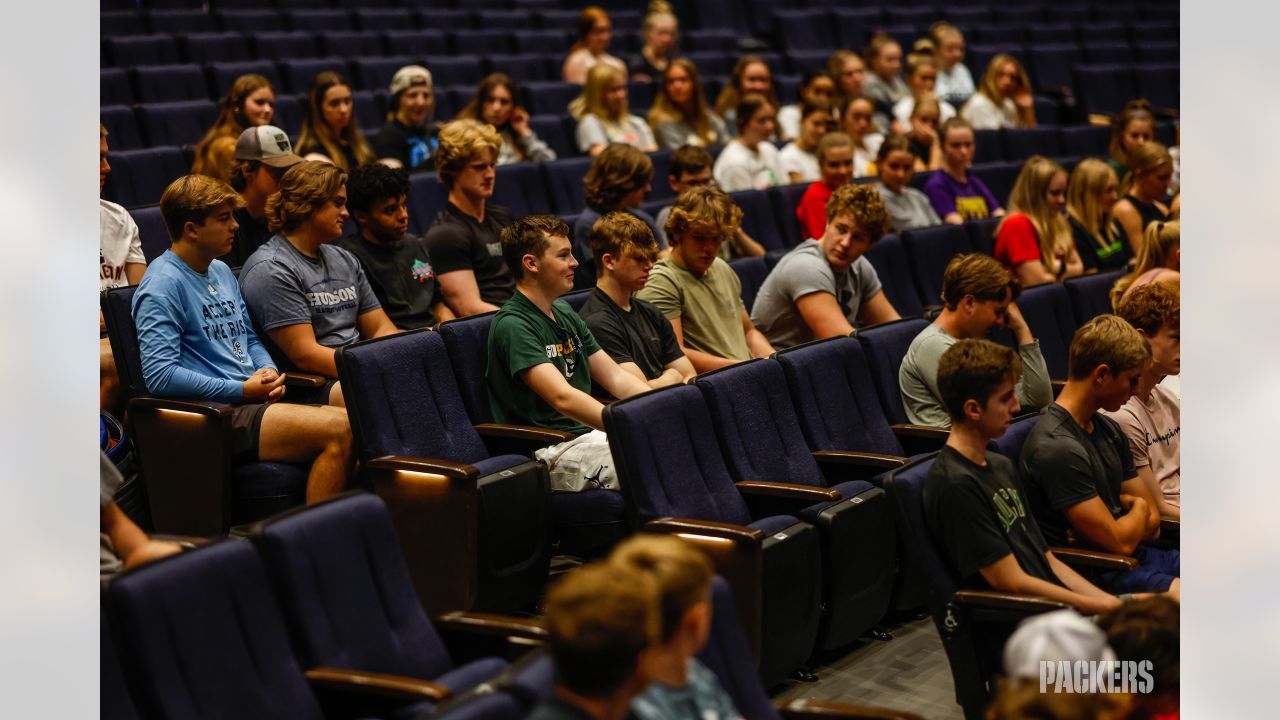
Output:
x=465 y=677
x=498 y=463
x=260 y=490
x=847 y=490
x=774 y=523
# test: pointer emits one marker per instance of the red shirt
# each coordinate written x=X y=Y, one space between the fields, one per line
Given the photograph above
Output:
x=1017 y=241
x=812 y=210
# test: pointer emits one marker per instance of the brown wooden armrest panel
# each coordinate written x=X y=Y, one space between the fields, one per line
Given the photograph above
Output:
x=808 y=493
x=878 y=461
x=1057 y=386
x=430 y=466
x=187 y=541
x=1006 y=601
x=1094 y=559
x=523 y=432
x=709 y=528
x=199 y=407
x=490 y=625
x=1168 y=524
x=806 y=709
x=919 y=431
x=379 y=684
x=306 y=380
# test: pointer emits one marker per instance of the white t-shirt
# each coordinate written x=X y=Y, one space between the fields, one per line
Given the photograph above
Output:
x=864 y=160
x=902 y=110
x=955 y=85
x=983 y=114
x=793 y=159
x=789 y=121
x=119 y=244
x=740 y=168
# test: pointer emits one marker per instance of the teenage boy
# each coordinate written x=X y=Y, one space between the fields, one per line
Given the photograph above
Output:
x=408 y=140
x=977 y=295
x=633 y=332
x=821 y=288
x=196 y=342
x=835 y=162
x=310 y=296
x=121 y=263
x=396 y=264
x=1152 y=418
x=1077 y=465
x=542 y=358
x=691 y=167
x=697 y=291
x=465 y=240
x=601 y=620
x=263 y=154
x=973 y=506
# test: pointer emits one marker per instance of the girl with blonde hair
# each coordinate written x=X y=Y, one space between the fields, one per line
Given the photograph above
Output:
x=1133 y=127
x=680 y=114
x=1142 y=191
x=659 y=32
x=250 y=102
x=1004 y=97
x=955 y=83
x=1159 y=259
x=595 y=32
x=1091 y=196
x=1034 y=239
x=602 y=115
x=329 y=131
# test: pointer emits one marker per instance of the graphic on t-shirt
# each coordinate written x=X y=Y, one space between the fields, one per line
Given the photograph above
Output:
x=422 y=271
x=972 y=208
x=567 y=349
x=1009 y=509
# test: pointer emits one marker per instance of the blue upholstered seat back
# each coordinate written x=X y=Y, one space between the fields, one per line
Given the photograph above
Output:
x=906 y=486
x=346 y=591
x=885 y=346
x=1010 y=444
x=201 y=623
x=467 y=343
x=403 y=400
x=669 y=462
x=753 y=418
x=834 y=397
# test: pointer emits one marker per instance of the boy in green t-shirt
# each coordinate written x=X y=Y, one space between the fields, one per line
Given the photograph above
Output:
x=542 y=356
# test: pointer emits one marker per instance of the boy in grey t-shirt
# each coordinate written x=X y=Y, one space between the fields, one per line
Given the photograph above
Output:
x=822 y=287
x=309 y=297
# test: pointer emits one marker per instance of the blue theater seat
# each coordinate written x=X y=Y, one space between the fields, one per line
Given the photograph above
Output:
x=120 y=22
x=350 y=43
x=1104 y=88
x=130 y=50
x=758 y=220
x=1021 y=143
x=785 y=199
x=549 y=98
x=300 y=72
x=982 y=234
x=427 y=197
x=564 y=183
x=1085 y=140
x=318 y=20
x=431 y=18
x=999 y=177
x=804 y=29
x=884 y=346
x=1158 y=82
x=930 y=250
x=481 y=42
x=123 y=132
x=554 y=41
x=209 y=47
x=524 y=67
x=1107 y=52
x=168 y=83
x=152 y=232
x=181 y=22
x=375 y=73
x=377 y=18
x=889 y=258
x=457 y=70
x=114 y=87
x=428 y=41
x=1091 y=294
x=246 y=20
x=1050 y=64
x=752 y=272
x=222 y=75
x=139 y=177
x=1047 y=310
x=176 y=123
x=284 y=44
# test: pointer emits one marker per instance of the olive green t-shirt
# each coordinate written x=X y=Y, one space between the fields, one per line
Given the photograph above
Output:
x=520 y=337
x=709 y=307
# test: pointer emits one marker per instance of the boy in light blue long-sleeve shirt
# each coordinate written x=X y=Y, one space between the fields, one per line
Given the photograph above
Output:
x=197 y=342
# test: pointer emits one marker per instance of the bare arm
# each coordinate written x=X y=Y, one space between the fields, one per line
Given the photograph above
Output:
x=545 y=380
x=1135 y=487
x=1018 y=325
x=672 y=374
x=1092 y=521
x=795 y=177
x=877 y=310
x=1006 y=575
x=133 y=272
x=745 y=245
x=1032 y=272
x=702 y=362
x=757 y=343
x=375 y=324
x=299 y=343
x=1163 y=507
x=1075 y=581
x=132 y=544
x=462 y=294
x=1131 y=221
x=953 y=218
x=618 y=382
x=822 y=314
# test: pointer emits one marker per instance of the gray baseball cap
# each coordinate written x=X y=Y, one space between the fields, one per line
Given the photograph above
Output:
x=268 y=144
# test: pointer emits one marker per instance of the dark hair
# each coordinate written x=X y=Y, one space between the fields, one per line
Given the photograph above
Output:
x=374 y=183
x=748 y=106
x=689 y=159
x=192 y=198
x=620 y=233
x=528 y=236
x=979 y=275
x=1147 y=629
x=241 y=171
x=899 y=143
x=972 y=370
x=616 y=172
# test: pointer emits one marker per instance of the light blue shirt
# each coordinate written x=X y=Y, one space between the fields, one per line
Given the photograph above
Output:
x=194 y=332
x=701 y=698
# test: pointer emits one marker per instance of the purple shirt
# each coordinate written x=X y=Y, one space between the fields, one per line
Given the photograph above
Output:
x=971 y=199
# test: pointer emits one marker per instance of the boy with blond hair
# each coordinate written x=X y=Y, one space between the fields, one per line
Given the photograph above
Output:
x=1078 y=468
x=697 y=291
x=196 y=342
x=465 y=240
x=633 y=332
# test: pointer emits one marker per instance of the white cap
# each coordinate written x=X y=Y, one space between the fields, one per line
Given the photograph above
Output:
x=1054 y=636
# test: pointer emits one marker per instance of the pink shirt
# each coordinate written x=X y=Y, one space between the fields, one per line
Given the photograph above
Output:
x=1154 y=429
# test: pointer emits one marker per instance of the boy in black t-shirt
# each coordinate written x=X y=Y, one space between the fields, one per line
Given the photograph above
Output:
x=1078 y=467
x=395 y=263
x=973 y=504
x=633 y=332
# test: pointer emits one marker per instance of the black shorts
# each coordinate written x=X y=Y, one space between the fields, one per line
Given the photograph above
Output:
x=309 y=396
x=246 y=424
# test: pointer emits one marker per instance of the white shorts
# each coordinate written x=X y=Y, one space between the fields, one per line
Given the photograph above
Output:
x=583 y=463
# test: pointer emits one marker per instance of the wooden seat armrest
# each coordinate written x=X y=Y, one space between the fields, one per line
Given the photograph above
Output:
x=430 y=466
x=919 y=431
x=474 y=623
x=788 y=491
x=200 y=407
x=806 y=709
x=377 y=684
x=1057 y=386
x=545 y=436
x=707 y=528
x=1006 y=601
x=877 y=461
x=1077 y=557
x=305 y=380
